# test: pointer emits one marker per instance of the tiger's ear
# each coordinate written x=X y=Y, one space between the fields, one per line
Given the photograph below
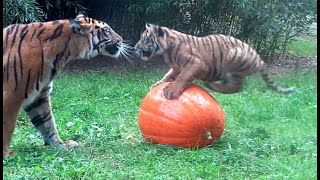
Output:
x=79 y=27
x=158 y=30
x=148 y=25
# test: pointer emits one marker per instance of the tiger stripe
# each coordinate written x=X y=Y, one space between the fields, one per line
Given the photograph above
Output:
x=211 y=46
x=41 y=119
x=36 y=103
x=219 y=47
x=176 y=51
x=40 y=32
x=3 y=71
x=223 y=41
x=222 y=58
x=58 y=58
x=42 y=61
x=55 y=22
x=56 y=33
x=37 y=85
x=6 y=41
x=45 y=89
x=7 y=65
x=15 y=73
x=15 y=35
x=50 y=136
x=34 y=32
x=27 y=86
x=23 y=34
x=231 y=43
x=203 y=42
x=33 y=54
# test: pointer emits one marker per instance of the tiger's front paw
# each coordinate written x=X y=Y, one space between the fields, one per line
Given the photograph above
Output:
x=71 y=144
x=172 y=92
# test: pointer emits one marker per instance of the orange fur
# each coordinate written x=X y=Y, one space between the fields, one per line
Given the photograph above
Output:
x=222 y=62
x=33 y=54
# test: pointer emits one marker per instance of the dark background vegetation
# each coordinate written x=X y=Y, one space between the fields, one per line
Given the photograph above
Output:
x=267 y=25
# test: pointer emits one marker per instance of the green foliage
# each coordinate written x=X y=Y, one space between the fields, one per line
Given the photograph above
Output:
x=61 y=9
x=26 y=11
x=303 y=46
x=21 y=11
x=267 y=135
x=267 y=25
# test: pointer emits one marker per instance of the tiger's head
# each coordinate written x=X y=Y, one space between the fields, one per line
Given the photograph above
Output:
x=151 y=43
x=102 y=38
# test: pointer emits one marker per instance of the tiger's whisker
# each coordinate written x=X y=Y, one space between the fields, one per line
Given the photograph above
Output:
x=124 y=54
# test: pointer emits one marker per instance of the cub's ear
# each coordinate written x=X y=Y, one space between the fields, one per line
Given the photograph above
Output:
x=148 y=25
x=74 y=23
x=80 y=27
x=82 y=13
x=157 y=30
x=160 y=32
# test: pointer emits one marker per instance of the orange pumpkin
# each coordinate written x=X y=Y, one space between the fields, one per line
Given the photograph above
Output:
x=195 y=119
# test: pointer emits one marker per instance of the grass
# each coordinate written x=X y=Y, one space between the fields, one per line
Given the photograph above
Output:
x=303 y=46
x=267 y=135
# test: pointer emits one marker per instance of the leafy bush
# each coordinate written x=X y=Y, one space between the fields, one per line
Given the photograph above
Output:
x=267 y=25
x=26 y=11
x=61 y=9
x=21 y=11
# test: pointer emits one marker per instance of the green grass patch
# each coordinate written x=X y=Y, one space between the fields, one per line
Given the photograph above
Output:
x=303 y=46
x=267 y=135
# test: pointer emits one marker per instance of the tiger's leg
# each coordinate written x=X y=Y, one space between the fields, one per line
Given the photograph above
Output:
x=230 y=85
x=41 y=116
x=183 y=80
x=169 y=77
x=10 y=114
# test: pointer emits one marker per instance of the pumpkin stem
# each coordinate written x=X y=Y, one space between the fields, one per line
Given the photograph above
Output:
x=207 y=134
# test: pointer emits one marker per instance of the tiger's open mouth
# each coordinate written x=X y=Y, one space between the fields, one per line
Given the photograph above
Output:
x=142 y=53
x=112 y=49
x=146 y=53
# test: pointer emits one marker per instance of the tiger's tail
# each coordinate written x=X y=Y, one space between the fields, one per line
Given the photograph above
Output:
x=267 y=78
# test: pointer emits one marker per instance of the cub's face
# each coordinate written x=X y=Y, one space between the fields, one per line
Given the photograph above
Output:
x=103 y=38
x=149 y=44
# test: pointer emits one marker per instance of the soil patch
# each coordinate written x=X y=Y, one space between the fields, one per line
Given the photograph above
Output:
x=278 y=65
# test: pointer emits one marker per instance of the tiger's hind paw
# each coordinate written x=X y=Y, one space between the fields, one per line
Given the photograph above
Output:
x=12 y=154
x=9 y=154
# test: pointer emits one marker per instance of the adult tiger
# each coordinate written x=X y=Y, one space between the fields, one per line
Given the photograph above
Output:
x=33 y=54
x=222 y=62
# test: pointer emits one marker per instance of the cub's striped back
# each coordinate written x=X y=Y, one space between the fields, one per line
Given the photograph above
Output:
x=222 y=62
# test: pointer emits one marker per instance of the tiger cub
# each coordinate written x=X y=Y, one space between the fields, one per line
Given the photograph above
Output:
x=222 y=62
x=33 y=54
